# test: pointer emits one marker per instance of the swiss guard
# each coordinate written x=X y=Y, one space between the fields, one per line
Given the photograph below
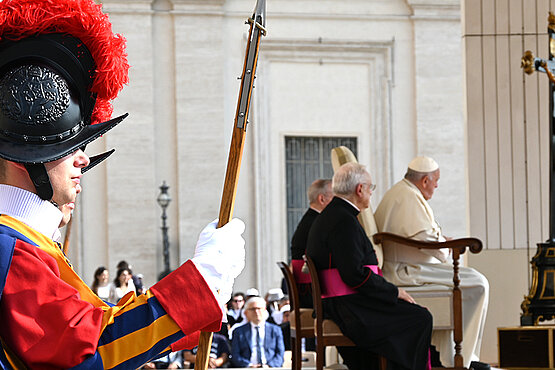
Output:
x=60 y=67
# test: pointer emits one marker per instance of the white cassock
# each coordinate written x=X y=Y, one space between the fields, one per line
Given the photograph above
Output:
x=404 y=211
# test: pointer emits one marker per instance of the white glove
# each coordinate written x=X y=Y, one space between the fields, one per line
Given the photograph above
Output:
x=220 y=257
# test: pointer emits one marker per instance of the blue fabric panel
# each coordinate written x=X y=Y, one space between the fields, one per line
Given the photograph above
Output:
x=133 y=320
x=7 y=244
x=15 y=234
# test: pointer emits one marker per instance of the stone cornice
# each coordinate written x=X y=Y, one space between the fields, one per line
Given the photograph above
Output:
x=126 y=6
x=435 y=9
x=198 y=7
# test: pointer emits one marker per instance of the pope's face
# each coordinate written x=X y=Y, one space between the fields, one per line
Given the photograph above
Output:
x=65 y=177
x=429 y=185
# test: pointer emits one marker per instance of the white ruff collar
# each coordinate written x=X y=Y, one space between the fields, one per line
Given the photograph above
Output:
x=30 y=209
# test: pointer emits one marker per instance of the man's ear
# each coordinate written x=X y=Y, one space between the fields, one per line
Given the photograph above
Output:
x=358 y=189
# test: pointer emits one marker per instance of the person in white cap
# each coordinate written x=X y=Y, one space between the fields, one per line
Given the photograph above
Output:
x=404 y=210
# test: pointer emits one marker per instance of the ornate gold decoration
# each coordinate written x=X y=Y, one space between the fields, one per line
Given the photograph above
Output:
x=527 y=62
x=551 y=21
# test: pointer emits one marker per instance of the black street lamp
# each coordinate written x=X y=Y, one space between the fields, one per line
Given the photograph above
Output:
x=164 y=200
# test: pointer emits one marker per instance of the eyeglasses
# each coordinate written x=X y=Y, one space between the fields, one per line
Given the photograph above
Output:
x=255 y=309
x=371 y=186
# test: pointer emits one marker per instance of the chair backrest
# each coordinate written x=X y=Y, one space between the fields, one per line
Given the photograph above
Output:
x=316 y=297
x=293 y=294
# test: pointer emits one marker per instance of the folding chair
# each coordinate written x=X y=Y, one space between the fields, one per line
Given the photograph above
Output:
x=301 y=320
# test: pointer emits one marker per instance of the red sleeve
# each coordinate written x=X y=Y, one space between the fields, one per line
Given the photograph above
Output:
x=42 y=316
x=192 y=307
x=47 y=324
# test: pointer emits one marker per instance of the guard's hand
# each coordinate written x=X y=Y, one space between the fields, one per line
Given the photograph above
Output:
x=220 y=256
x=405 y=296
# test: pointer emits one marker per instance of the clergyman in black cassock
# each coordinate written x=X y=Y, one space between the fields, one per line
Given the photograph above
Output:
x=374 y=317
x=298 y=248
x=319 y=195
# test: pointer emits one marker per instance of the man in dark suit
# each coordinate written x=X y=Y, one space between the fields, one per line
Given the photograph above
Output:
x=376 y=315
x=319 y=195
x=257 y=343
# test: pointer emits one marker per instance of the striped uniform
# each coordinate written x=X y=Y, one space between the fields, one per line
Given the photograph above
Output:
x=52 y=320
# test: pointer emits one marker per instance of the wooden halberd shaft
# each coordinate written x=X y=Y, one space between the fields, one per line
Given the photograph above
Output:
x=257 y=24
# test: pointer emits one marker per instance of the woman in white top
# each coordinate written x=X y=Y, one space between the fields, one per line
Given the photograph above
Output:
x=100 y=285
x=122 y=285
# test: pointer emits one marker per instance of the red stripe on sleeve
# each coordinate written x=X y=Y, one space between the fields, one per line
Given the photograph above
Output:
x=193 y=306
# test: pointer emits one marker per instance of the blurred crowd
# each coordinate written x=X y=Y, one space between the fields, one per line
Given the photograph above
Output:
x=255 y=331
x=124 y=282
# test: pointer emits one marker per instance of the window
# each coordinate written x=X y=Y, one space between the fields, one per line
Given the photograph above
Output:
x=307 y=159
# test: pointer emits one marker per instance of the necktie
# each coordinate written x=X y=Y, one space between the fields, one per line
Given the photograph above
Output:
x=258 y=346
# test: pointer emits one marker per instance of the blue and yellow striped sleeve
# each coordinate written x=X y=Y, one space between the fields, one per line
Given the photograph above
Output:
x=141 y=328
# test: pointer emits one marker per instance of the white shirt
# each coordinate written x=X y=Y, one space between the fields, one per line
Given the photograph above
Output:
x=30 y=209
x=103 y=292
x=261 y=331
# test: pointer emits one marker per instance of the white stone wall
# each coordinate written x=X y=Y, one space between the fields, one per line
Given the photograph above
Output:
x=387 y=72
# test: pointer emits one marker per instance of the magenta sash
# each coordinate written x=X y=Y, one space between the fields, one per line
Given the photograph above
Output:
x=300 y=276
x=332 y=285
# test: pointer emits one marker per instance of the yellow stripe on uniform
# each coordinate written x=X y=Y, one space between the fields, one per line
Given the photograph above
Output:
x=46 y=244
x=134 y=344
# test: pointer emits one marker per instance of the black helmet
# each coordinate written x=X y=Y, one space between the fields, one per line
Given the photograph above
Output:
x=45 y=102
x=55 y=87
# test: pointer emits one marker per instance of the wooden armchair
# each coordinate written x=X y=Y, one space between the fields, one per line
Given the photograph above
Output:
x=300 y=319
x=445 y=300
x=327 y=331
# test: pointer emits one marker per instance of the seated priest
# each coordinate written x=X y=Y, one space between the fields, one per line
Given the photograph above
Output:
x=378 y=317
x=319 y=194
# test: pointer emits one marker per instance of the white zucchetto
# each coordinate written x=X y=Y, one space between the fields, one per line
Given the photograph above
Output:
x=423 y=164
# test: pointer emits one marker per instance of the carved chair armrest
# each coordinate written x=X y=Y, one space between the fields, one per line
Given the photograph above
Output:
x=459 y=247
x=473 y=244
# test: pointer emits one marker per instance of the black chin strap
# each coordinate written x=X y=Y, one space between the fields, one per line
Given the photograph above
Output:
x=39 y=176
